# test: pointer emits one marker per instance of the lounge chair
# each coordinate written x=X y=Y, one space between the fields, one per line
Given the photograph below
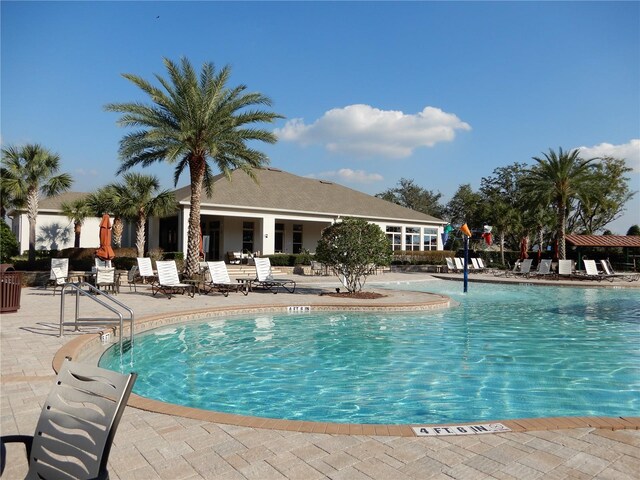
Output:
x=168 y=280
x=525 y=268
x=591 y=272
x=132 y=277
x=629 y=277
x=106 y=279
x=481 y=264
x=220 y=280
x=77 y=424
x=234 y=258
x=59 y=273
x=317 y=268
x=565 y=268
x=544 y=268
x=459 y=264
x=451 y=266
x=264 y=278
x=476 y=265
x=508 y=273
x=145 y=270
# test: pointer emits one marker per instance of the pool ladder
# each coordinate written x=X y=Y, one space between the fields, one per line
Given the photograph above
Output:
x=84 y=289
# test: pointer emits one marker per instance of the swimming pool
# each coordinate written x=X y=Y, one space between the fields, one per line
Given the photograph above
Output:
x=508 y=351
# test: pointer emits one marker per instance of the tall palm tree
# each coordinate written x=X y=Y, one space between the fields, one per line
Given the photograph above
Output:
x=27 y=173
x=138 y=198
x=77 y=211
x=191 y=122
x=557 y=179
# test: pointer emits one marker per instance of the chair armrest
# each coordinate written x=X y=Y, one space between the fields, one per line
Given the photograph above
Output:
x=26 y=439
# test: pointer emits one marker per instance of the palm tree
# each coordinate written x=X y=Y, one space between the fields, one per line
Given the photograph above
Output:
x=77 y=211
x=27 y=173
x=138 y=199
x=558 y=179
x=105 y=200
x=191 y=122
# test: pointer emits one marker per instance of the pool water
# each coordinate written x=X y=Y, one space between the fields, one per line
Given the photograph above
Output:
x=506 y=352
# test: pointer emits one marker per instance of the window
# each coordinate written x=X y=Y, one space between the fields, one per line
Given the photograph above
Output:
x=394 y=235
x=412 y=238
x=430 y=238
x=247 y=236
x=279 y=239
x=297 y=238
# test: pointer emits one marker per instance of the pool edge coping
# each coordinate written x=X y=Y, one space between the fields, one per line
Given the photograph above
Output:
x=88 y=347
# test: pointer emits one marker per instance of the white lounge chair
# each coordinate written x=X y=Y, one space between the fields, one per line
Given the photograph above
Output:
x=451 y=266
x=59 y=273
x=459 y=263
x=145 y=270
x=629 y=277
x=591 y=271
x=220 y=281
x=565 y=268
x=169 y=281
x=265 y=279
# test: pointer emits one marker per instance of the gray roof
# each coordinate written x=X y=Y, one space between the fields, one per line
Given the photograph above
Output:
x=282 y=191
x=54 y=204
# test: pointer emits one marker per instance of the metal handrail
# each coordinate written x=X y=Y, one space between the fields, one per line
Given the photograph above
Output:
x=91 y=292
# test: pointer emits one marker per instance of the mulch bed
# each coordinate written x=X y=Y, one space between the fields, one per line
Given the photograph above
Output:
x=356 y=295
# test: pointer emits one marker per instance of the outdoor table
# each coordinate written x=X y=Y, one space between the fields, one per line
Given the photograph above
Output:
x=246 y=282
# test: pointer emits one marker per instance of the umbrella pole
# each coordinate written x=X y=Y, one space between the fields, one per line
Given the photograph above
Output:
x=466 y=261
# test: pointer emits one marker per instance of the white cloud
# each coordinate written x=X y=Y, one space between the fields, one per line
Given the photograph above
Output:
x=367 y=131
x=86 y=173
x=348 y=175
x=629 y=151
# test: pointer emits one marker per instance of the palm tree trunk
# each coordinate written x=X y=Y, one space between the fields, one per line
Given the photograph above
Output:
x=77 y=228
x=562 y=250
x=32 y=215
x=196 y=169
x=502 y=237
x=116 y=231
x=140 y=233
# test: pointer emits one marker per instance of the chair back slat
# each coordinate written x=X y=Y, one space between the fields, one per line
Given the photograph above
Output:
x=263 y=269
x=167 y=272
x=218 y=272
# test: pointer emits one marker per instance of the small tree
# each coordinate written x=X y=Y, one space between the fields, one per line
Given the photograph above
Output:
x=8 y=243
x=351 y=248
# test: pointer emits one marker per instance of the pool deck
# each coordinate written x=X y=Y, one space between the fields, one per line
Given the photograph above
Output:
x=152 y=445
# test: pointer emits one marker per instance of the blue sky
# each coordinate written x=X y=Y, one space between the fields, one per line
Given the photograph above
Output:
x=438 y=92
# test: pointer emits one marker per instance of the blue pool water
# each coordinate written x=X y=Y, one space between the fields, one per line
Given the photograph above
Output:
x=508 y=351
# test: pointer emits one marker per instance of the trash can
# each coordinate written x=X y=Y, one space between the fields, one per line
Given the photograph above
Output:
x=10 y=288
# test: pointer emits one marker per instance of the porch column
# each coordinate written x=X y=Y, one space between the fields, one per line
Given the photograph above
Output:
x=183 y=230
x=268 y=234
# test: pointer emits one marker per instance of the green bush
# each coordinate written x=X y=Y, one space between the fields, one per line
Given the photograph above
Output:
x=8 y=243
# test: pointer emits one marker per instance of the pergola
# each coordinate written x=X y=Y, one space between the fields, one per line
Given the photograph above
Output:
x=625 y=242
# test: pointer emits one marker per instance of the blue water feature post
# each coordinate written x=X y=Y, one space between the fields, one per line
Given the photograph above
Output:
x=466 y=262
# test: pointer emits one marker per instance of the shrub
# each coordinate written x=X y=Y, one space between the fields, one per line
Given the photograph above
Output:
x=8 y=243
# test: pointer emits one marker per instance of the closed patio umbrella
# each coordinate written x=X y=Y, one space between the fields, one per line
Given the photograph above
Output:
x=105 y=252
x=524 y=247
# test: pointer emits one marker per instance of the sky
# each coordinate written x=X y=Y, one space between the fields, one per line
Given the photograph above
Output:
x=441 y=93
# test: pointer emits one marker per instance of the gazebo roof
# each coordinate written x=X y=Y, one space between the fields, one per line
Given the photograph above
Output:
x=604 y=240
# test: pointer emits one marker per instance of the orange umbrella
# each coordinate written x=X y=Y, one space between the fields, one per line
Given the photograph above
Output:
x=524 y=247
x=105 y=252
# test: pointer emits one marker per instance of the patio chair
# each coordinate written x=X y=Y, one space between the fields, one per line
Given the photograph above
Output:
x=77 y=424
x=169 y=281
x=59 y=273
x=102 y=263
x=234 y=258
x=476 y=265
x=145 y=270
x=106 y=279
x=608 y=269
x=481 y=264
x=264 y=278
x=451 y=267
x=132 y=277
x=220 y=280
x=316 y=268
